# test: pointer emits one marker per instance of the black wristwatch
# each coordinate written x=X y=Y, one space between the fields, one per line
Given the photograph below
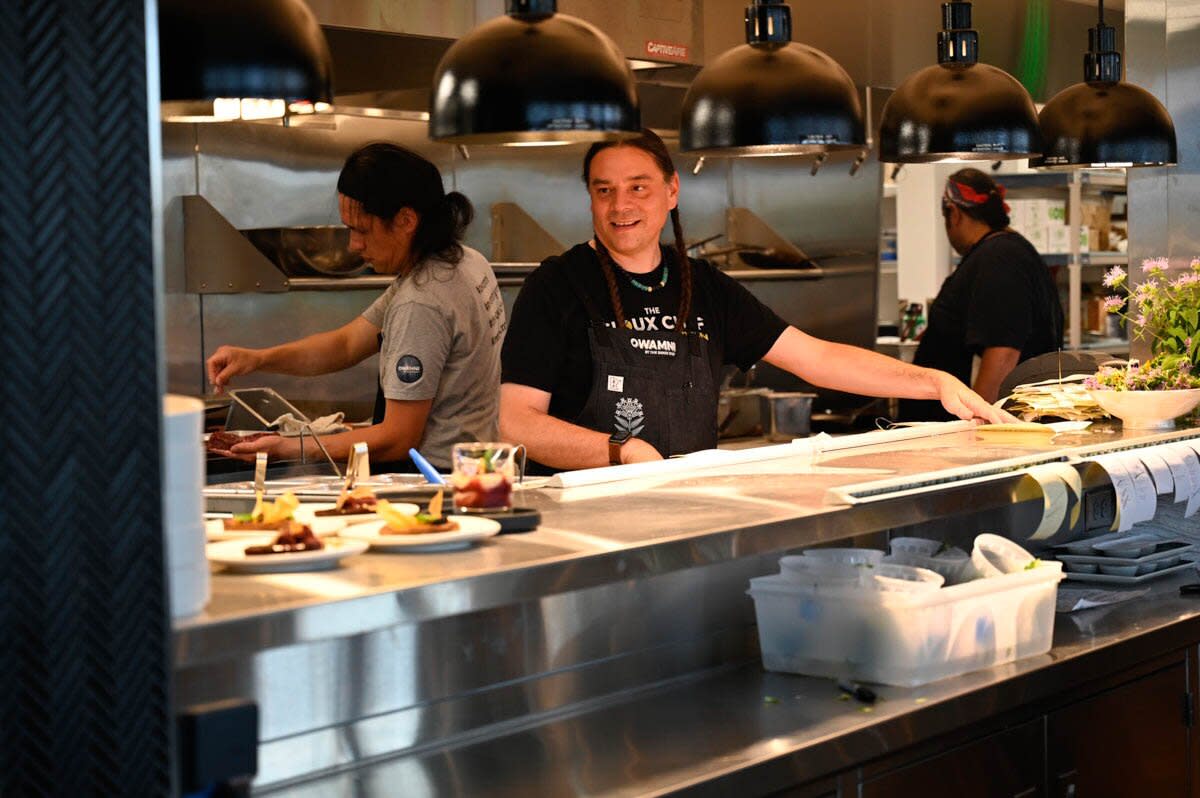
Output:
x=615 y=442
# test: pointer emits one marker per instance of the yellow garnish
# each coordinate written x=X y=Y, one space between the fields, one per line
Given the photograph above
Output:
x=393 y=517
x=258 y=504
x=435 y=505
x=281 y=509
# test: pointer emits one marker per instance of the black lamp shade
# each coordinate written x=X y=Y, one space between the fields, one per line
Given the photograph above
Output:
x=533 y=79
x=241 y=49
x=1106 y=124
x=786 y=100
x=959 y=112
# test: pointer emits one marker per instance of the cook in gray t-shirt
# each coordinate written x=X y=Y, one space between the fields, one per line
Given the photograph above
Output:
x=442 y=328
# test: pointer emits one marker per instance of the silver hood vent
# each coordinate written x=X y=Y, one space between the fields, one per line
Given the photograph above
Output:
x=385 y=52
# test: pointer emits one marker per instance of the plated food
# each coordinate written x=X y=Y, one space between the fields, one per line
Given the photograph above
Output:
x=360 y=501
x=292 y=537
x=266 y=515
x=421 y=532
x=232 y=555
x=398 y=522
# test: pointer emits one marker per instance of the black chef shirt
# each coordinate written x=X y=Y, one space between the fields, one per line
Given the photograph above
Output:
x=1001 y=294
x=546 y=346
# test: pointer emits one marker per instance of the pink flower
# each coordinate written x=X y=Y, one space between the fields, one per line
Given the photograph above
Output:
x=1140 y=321
x=1112 y=304
x=1196 y=264
x=1150 y=265
x=1114 y=277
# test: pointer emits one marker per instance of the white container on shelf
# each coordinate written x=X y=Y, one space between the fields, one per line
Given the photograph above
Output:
x=905 y=638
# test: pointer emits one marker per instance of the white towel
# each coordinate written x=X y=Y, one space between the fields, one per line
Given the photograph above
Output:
x=289 y=426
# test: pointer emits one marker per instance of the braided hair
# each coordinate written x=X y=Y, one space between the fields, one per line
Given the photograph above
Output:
x=648 y=142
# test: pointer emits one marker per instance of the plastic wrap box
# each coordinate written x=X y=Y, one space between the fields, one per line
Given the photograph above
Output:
x=901 y=638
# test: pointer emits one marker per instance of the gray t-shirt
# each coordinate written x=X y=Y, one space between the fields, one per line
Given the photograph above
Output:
x=442 y=329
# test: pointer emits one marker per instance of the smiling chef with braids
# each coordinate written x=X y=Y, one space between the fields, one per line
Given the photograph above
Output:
x=614 y=347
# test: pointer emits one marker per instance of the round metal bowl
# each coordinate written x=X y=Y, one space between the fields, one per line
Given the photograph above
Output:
x=314 y=250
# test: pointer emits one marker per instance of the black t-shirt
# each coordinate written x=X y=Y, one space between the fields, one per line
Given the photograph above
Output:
x=1001 y=294
x=546 y=346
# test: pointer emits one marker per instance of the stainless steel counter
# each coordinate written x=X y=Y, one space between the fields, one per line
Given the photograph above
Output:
x=626 y=587
x=742 y=731
x=596 y=535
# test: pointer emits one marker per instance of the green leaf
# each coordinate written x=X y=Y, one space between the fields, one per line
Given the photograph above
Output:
x=245 y=518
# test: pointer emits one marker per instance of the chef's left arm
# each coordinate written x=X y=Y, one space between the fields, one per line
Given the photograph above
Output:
x=855 y=370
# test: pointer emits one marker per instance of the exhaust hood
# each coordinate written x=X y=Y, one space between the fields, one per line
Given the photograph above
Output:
x=385 y=52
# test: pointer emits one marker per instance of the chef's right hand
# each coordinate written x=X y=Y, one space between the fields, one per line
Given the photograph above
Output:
x=230 y=361
x=637 y=450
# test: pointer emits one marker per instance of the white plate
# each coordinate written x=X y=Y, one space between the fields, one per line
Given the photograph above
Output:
x=1176 y=548
x=214 y=529
x=232 y=554
x=470 y=529
x=1108 y=579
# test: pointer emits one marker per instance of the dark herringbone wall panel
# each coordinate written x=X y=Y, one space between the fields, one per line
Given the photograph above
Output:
x=83 y=629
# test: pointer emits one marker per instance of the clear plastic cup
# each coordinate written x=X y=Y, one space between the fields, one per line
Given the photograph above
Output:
x=482 y=474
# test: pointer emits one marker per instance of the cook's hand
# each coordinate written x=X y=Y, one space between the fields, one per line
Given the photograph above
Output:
x=637 y=450
x=961 y=401
x=230 y=361
x=276 y=447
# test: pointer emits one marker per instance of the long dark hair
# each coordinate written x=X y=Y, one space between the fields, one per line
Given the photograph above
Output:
x=649 y=143
x=384 y=178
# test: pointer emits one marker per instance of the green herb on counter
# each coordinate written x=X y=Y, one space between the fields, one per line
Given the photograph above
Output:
x=245 y=518
x=1034 y=563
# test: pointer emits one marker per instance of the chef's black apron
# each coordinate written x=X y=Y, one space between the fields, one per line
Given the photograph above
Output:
x=656 y=385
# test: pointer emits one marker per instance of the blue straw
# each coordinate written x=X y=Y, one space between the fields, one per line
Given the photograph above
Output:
x=425 y=468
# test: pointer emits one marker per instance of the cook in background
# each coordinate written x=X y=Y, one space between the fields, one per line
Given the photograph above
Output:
x=615 y=346
x=437 y=327
x=1000 y=303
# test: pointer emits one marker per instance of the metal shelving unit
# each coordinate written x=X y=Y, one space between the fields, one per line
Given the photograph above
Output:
x=1074 y=184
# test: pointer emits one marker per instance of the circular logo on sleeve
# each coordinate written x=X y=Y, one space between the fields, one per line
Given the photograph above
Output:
x=408 y=368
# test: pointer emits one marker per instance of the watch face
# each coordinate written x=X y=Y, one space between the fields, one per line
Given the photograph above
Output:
x=619 y=437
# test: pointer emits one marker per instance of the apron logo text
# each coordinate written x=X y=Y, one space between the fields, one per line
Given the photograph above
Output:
x=653 y=346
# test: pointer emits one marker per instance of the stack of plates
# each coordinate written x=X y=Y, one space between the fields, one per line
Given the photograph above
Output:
x=1085 y=561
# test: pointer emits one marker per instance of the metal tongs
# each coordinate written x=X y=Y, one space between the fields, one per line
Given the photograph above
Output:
x=260 y=481
x=358 y=466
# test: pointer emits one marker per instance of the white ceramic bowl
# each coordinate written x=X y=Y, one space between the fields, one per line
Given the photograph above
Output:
x=995 y=556
x=1147 y=409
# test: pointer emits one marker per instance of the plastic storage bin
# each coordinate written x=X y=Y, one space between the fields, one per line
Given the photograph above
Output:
x=904 y=638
